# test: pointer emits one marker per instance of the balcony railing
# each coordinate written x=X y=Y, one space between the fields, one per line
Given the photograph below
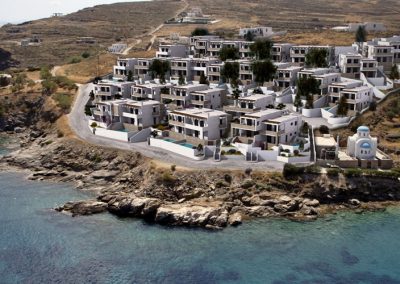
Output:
x=243 y=126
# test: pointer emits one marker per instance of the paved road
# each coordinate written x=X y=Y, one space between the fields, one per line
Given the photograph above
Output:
x=79 y=124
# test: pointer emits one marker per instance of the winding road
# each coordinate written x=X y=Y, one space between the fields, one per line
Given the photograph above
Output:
x=80 y=126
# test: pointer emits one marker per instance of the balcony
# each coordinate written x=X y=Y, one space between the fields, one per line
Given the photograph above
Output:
x=176 y=123
x=173 y=97
x=200 y=103
x=272 y=133
x=137 y=95
x=243 y=126
x=240 y=109
x=131 y=115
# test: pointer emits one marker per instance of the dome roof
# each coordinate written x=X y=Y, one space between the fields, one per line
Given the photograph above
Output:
x=363 y=128
x=366 y=145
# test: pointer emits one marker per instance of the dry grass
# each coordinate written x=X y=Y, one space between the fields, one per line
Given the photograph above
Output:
x=106 y=23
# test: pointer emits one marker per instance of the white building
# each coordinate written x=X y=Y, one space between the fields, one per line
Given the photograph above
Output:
x=286 y=75
x=281 y=52
x=252 y=103
x=204 y=124
x=148 y=91
x=358 y=98
x=172 y=50
x=350 y=64
x=180 y=96
x=124 y=65
x=361 y=145
x=210 y=98
x=257 y=31
x=106 y=90
x=298 y=53
x=128 y=114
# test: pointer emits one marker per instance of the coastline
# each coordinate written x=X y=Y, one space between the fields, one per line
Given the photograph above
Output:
x=127 y=184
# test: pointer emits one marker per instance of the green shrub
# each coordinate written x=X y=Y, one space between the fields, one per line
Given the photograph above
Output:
x=290 y=171
x=173 y=168
x=313 y=169
x=85 y=54
x=353 y=173
x=324 y=129
x=64 y=101
x=248 y=171
x=333 y=172
x=74 y=60
x=247 y=184
x=228 y=178
x=168 y=179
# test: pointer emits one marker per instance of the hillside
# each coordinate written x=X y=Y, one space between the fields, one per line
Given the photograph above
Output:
x=301 y=15
x=106 y=23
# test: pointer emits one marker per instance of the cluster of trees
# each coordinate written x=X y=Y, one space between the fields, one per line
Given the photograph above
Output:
x=228 y=52
x=361 y=34
x=200 y=32
x=317 y=58
x=306 y=88
x=51 y=83
x=159 y=68
x=394 y=73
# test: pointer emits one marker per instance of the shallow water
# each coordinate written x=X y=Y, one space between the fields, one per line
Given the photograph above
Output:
x=39 y=245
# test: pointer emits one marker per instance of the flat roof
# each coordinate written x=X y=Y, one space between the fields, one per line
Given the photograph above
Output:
x=284 y=118
x=209 y=91
x=325 y=141
x=202 y=113
x=261 y=113
x=254 y=97
x=356 y=89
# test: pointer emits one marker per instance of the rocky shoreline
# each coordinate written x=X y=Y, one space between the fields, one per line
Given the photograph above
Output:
x=130 y=185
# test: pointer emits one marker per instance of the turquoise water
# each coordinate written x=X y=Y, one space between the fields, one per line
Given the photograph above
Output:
x=169 y=140
x=39 y=245
x=187 y=145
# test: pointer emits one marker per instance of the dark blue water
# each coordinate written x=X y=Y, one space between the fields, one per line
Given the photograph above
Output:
x=39 y=245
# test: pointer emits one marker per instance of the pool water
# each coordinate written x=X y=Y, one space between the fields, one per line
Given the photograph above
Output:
x=169 y=140
x=187 y=145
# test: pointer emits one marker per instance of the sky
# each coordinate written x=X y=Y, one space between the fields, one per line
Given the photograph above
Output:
x=17 y=11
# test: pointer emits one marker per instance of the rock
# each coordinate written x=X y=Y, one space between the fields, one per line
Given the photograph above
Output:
x=312 y=203
x=88 y=207
x=284 y=199
x=132 y=206
x=191 y=215
x=235 y=219
x=104 y=174
x=309 y=211
x=19 y=129
x=355 y=202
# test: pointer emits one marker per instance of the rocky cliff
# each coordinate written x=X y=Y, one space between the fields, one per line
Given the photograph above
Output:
x=130 y=185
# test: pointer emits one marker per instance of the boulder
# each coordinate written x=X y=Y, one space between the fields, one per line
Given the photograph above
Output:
x=355 y=202
x=312 y=203
x=192 y=215
x=235 y=219
x=104 y=174
x=19 y=129
x=89 y=207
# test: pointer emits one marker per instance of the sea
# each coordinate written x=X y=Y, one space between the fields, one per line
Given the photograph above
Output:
x=40 y=245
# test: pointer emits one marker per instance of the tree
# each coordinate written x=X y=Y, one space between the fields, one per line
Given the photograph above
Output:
x=4 y=81
x=342 y=107
x=249 y=36
x=158 y=68
x=306 y=87
x=394 y=73
x=324 y=129
x=45 y=73
x=230 y=72
x=261 y=49
x=203 y=79
x=200 y=32
x=236 y=93
x=19 y=82
x=263 y=71
x=361 y=34
x=229 y=52
x=297 y=101
x=130 y=76
x=181 y=80
x=317 y=58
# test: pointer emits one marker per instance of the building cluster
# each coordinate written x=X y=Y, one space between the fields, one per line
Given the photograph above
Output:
x=194 y=104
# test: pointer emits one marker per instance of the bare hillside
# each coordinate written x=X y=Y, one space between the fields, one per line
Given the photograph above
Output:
x=106 y=23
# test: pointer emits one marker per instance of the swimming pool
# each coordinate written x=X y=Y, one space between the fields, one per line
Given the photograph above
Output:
x=169 y=140
x=187 y=145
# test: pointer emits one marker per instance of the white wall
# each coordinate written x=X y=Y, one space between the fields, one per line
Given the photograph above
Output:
x=117 y=135
x=140 y=136
x=314 y=112
x=175 y=148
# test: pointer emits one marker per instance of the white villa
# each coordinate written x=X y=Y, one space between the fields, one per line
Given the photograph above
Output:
x=204 y=124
